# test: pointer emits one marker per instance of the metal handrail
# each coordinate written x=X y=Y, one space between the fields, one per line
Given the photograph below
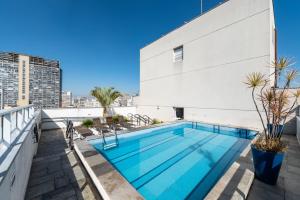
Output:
x=149 y=120
x=140 y=118
x=104 y=144
x=218 y=128
x=136 y=119
x=103 y=138
x=194 y=124
x=116 y=137
x=10 y=110
x=14 y=122
x=130 y=116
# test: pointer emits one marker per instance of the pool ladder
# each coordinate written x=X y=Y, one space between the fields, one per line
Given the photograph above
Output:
x=245 y=132
x=194 y=125
x=114 y=144
x=216 y=128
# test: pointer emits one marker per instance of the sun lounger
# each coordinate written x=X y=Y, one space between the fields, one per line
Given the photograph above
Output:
x=84 y=131
x=101 y=127
x=125 y=124
x=110 y=122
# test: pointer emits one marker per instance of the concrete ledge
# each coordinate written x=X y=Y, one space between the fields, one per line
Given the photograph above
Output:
x=109 y=182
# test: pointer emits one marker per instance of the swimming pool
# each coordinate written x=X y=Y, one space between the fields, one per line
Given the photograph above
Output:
x=178 y=161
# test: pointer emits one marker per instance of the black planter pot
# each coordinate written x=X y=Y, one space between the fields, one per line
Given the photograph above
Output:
x=267 y=165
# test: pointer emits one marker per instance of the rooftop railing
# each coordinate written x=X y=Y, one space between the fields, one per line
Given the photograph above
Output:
x=20 y=130
x=12 y=122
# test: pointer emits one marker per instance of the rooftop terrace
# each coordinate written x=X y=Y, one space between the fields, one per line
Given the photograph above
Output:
x=56 y=172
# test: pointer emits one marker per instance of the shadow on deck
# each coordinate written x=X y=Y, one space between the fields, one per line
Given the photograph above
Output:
x=237 y=183
x=57 y=173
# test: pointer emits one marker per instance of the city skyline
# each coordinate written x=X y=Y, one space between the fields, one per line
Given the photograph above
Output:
x=98 y=43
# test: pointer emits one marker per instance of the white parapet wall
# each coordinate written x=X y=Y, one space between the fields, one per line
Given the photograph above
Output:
x=56 y=118
x=17 y=152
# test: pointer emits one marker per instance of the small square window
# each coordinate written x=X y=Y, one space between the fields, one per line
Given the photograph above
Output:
x=178 y=54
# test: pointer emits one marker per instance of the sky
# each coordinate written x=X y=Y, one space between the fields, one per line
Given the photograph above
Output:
x=97 y=41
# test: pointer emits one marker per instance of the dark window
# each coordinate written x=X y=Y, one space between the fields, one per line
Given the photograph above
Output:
x=179 y=113
x=178 y=54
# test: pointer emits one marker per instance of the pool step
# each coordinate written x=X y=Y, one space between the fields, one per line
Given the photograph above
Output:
x=110 y=146
x=106 y=145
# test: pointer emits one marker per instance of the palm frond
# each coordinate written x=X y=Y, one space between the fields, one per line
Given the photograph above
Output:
x=297 y=94
x=282 y=63
x=290 y=76
x=255 y=79
x=105 y=96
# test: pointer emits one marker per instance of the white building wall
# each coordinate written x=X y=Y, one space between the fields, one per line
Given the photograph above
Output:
x=220 y=48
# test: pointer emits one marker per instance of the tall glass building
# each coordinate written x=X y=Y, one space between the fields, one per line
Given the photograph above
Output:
x=26 y=79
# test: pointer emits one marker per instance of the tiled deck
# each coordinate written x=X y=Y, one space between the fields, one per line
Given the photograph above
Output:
x=288 y=185
x=56 y=172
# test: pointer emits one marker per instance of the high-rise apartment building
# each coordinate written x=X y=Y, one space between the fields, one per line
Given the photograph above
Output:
x=26 y=79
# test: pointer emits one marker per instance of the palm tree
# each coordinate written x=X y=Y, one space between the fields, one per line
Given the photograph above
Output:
x=105 y=96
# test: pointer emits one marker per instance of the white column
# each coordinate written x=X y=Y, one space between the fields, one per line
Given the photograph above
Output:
x=31 y=111
x=20 y=119
x=7 y=128
x=13 y=120
x=26 y=115
x=23 y=117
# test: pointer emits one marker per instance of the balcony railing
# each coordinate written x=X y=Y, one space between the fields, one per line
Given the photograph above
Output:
x=12 y=122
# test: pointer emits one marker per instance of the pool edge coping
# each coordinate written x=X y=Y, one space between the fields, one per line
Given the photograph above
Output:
x=240 y=175
x=108 y=181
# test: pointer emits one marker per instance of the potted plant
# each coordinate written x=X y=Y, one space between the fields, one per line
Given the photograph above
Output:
x=156 y=121
x=105 y=96
x=273 y=106
x=115 y=119
x=87 y=123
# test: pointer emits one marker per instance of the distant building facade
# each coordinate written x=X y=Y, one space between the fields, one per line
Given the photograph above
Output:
x=26 y=79
x=66 y=99
x=92 y=102
x=124 y=100
x=86 y=102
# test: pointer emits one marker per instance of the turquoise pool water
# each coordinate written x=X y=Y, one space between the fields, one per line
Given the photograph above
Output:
x=179 y=161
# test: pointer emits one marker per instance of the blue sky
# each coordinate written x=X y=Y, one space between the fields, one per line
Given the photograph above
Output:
x=98 y=41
